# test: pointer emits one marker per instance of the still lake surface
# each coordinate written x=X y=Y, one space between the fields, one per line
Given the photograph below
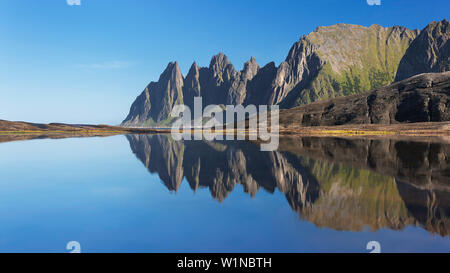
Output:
x=149 y=193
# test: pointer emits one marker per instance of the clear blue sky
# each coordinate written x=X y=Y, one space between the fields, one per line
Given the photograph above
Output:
x=87 y=63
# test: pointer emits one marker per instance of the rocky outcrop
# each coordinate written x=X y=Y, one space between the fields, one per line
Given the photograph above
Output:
x=330 y=62
x=421 y=98
x=429 y=52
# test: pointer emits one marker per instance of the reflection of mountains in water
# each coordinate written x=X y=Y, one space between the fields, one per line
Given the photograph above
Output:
x=336 y=183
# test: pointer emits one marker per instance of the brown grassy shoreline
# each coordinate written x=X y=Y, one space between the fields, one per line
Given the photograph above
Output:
x=10 y=131
x=400 y=129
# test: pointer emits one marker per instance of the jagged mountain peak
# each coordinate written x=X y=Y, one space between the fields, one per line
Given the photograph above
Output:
x=252 y=60
x=439 y=30
x=172 y=65
x=434 y=24
x=222 y=70
x=172 y=71
x=219 y=60
x=251 y=63
x=250 y=69
x=194 y=70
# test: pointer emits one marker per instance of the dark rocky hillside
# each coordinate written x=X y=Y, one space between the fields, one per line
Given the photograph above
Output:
x=421 y=98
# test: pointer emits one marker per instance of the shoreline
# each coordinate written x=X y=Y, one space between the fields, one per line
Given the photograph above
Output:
x=400 y=129
x=24 y=130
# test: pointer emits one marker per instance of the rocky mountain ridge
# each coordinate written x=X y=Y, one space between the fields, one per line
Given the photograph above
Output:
x=332 y=61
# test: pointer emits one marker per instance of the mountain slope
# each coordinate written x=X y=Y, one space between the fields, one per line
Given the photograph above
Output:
x=351 y=59
x=429 y=52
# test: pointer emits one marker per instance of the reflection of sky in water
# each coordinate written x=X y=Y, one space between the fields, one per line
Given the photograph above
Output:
x=95 y=191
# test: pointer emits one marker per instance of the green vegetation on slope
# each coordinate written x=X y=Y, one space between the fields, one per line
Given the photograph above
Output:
x=356 y=59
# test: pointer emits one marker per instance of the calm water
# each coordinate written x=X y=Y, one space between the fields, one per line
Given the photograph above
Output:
x=142 y=193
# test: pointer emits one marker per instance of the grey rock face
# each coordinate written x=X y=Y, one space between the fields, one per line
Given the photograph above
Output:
x=238 y=90
x=258 y=89
x=429 y=52
x=154 y=104
x=301 y=66
x=192 y=87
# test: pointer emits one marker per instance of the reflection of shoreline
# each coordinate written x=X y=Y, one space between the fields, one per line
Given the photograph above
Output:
x=215 y=165
x=318 y=178
x=423 y=164
x=421 y=170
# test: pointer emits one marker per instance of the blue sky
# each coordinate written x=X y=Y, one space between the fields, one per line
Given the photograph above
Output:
x=87 y=63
